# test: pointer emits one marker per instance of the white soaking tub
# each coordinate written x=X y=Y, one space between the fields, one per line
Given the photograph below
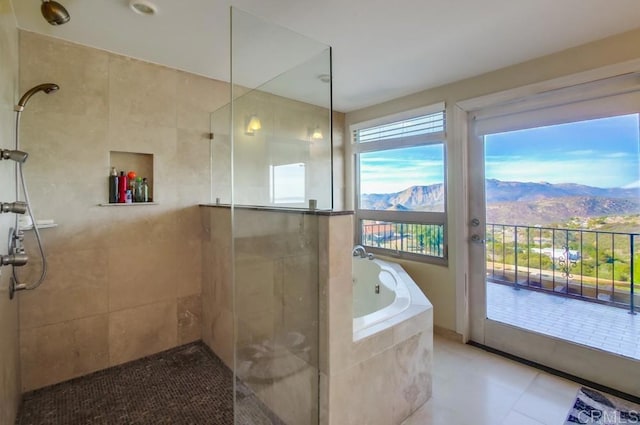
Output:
x=383 y=295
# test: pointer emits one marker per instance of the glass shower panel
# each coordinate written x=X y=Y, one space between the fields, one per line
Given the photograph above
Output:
x=220 y=161
x=281 y=162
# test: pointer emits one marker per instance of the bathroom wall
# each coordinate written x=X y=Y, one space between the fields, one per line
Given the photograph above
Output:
x=123 y=282
x=439 y=283
x=9 y=348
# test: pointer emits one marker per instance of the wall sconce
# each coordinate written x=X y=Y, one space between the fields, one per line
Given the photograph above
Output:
x=253 y=124
x=315 y=134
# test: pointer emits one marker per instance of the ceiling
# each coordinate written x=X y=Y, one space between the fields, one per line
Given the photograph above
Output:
x=381 y=49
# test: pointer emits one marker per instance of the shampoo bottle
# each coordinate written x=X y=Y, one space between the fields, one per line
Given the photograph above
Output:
x=122 y=188
x=113 y=186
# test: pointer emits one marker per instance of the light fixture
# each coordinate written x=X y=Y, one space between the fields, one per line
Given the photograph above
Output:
x=253 y=125
x=316 y=134
x=143 y=7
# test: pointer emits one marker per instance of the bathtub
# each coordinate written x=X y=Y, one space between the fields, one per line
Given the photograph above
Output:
x=384 y=295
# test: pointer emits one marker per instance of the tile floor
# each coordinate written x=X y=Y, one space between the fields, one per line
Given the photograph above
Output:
x=595 y=325
x=472 y=386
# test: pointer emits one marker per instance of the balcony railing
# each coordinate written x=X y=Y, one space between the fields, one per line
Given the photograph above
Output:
x=422 y=239
x=591 y=265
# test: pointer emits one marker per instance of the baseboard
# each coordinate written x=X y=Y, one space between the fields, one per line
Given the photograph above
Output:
x=447 y=334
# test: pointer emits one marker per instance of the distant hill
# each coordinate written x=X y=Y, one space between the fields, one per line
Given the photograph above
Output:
x=520 y=202
x=505 y=191
x=416 y=198
x=559 y=210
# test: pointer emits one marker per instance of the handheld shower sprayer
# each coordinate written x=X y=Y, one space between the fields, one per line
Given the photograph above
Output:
x=17 y=256
x=14 y=155
x=47 y=88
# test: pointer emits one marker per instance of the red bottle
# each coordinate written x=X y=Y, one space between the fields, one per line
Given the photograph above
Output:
x=122 y=187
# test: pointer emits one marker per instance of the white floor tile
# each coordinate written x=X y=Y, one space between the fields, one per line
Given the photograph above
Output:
x=515 y=418
x=472 y=386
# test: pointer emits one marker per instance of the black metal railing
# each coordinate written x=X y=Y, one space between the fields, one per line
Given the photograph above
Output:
x=592 y=265
x=424 y=239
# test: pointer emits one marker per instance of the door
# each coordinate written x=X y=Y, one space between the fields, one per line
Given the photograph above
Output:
x=537 y=285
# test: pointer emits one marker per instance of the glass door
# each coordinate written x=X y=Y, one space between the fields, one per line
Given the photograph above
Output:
x=554 y=203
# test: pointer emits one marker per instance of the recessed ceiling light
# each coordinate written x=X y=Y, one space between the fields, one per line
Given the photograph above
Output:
x=143 y=7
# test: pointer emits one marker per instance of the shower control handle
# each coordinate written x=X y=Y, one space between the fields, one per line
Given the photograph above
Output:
x=17 y=207
x=15 y=260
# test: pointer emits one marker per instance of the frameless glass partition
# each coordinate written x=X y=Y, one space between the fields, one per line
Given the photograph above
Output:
x=281 y=158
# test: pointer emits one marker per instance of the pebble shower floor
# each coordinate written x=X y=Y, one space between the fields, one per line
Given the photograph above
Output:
x=184 y=385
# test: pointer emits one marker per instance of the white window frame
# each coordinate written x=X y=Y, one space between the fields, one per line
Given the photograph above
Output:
x=408 y=217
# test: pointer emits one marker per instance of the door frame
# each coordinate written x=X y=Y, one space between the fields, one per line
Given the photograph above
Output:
x=471 y=321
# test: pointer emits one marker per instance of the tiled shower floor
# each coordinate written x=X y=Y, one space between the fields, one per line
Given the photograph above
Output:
x=185 y=385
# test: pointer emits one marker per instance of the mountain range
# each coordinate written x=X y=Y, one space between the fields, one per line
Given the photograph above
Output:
x=510 y=202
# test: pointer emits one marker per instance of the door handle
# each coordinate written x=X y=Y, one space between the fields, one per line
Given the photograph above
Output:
x=477 y=239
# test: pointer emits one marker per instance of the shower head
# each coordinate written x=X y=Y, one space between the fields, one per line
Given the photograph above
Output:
x=17 y=156
x=54 y=12
x=47 y=88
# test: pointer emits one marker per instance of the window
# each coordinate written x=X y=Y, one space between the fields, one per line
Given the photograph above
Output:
x=288 y=183
x=400 y=185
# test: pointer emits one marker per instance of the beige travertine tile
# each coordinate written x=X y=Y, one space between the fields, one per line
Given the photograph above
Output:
x=82 y=224
x=76 y=286
x=141 y=331
x=81 y=72
x=142 y=274
x=294 y=398
x=137 y=138
x=141 y=93
x=188 y=220
x=189 y=259
x=335 y=244
x=355 y=390
x=193 y=159
x=140 y=225
x=189 y=319
x=422 y=322
x=221 y=167
x=197 y=98
x=219 y=332
x=9 y=347
x=62 y=351
x=412 y=375
x=76 y=140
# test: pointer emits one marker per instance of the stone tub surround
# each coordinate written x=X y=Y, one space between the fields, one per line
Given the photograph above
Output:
x=379 y=379
x=123 y=283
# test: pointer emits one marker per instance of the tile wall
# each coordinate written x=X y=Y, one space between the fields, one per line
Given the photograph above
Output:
x=123 y=282
x=9 y=347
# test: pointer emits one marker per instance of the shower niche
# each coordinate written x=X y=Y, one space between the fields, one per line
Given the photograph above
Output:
x=137 y=162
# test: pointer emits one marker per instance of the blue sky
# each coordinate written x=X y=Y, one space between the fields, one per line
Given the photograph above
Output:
x=395 y=170
x=601 y=153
